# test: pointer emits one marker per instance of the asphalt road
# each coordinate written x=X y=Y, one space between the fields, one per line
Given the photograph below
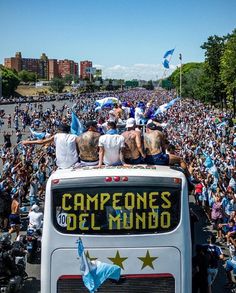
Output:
x=32 y=285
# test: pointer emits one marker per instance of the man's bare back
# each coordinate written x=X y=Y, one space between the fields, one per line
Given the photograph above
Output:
x=87 y=144
x=133 y=145
x=153 y=142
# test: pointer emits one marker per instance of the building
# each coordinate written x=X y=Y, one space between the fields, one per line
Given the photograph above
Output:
x=83 y=66
x=43 y=67
x=39 y=66
x=52 y=69
x=14 y=63
x=67 y=67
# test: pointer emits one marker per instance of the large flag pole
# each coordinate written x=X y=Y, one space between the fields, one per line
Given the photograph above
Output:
x=0 y=82
x=180 y=76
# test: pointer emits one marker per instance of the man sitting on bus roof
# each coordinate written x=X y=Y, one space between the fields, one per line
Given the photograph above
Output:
x=154 y=145
x=111 y=145
x=87 y=144
x=133 y=150
x=66 y=146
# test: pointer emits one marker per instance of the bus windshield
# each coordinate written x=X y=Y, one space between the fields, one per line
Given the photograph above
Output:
x=116 y=209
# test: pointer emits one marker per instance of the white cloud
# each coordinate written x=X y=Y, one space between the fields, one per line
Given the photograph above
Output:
x=135 y=71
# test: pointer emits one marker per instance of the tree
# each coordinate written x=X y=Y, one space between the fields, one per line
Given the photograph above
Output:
x=68 y=78
x=215 y=47
x=166 y=84
x=10 y=81
x=191 y=74
x=228 y=69
x=57 y=84
x=27 y=76
x=149 y=85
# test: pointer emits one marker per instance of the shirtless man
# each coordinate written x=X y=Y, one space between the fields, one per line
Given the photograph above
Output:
x=87 y=144
x=15 y=215
x=118 y=111
x=154 y=145
x=133 y=151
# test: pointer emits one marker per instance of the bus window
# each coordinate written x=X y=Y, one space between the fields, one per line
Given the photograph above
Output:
x=116 y=209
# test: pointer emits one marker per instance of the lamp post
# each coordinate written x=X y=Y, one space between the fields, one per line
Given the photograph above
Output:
x=180 y=76
x=0 y=83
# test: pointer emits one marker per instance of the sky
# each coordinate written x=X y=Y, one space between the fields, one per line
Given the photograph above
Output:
x=125 y=38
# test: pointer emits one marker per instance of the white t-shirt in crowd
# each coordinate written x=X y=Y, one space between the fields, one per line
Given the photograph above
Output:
x=66 y=151
x=35 y=219
x=138 y=115
x=112 y=145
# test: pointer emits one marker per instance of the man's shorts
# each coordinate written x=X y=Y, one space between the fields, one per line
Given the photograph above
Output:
x=158 y=159
x=14 y=219
x=137 y=161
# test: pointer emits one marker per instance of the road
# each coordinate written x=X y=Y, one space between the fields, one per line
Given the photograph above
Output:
x=32 y=285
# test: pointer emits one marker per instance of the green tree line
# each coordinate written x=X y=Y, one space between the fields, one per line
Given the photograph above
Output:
x=214 y=80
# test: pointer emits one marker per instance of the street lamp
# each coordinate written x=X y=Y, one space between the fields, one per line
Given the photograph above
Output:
x=180 y=76
x=0 y=83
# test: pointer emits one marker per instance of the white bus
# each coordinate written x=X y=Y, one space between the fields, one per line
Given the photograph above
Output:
x=135 y=217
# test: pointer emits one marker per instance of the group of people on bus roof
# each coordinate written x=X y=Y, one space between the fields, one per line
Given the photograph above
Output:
x=111 y=148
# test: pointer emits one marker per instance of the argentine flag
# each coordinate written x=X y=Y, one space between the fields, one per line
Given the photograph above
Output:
x=37 y=135
x=105 y=102
x=76 y=126
x=95 y=273
x=165 y=106
x=166 y=58
x=210 y=166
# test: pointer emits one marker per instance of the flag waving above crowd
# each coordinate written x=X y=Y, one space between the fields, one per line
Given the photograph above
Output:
x=167 y=57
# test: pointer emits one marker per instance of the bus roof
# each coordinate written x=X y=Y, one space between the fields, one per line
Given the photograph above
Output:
x=134 y=170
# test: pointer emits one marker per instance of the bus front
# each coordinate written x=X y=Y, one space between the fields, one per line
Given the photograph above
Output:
x=135 y=218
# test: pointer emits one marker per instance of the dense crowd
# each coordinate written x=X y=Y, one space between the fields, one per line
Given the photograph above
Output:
x=189 y=133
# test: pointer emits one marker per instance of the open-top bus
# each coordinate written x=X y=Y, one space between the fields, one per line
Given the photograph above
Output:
x=135 y=217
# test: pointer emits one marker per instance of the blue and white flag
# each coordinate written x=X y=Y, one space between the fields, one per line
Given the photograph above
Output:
x=167 y=57
x=37 y=135
x=168 y=53
x=106 y=102
x=76 y=126
x=211 y=167
x=95 y=273
x=165 y=106
x=166 y=64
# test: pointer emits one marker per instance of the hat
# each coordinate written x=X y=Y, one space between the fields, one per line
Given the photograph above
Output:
x=152 y=126
x=130 y=122
x=35 y=208
x=90 y=123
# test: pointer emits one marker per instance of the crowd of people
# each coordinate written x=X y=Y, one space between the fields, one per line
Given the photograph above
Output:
x=131 y=131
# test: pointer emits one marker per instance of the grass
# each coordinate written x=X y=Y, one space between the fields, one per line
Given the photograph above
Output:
x=25 y=90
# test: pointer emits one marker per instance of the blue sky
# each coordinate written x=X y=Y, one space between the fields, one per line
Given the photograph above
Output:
x=126 y=38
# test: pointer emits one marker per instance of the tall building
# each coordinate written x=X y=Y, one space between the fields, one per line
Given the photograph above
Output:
x=52 y=69
x=14 y=62
x=83 y=66
x=67 y=67
x=44 y=68
x=39 y=66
